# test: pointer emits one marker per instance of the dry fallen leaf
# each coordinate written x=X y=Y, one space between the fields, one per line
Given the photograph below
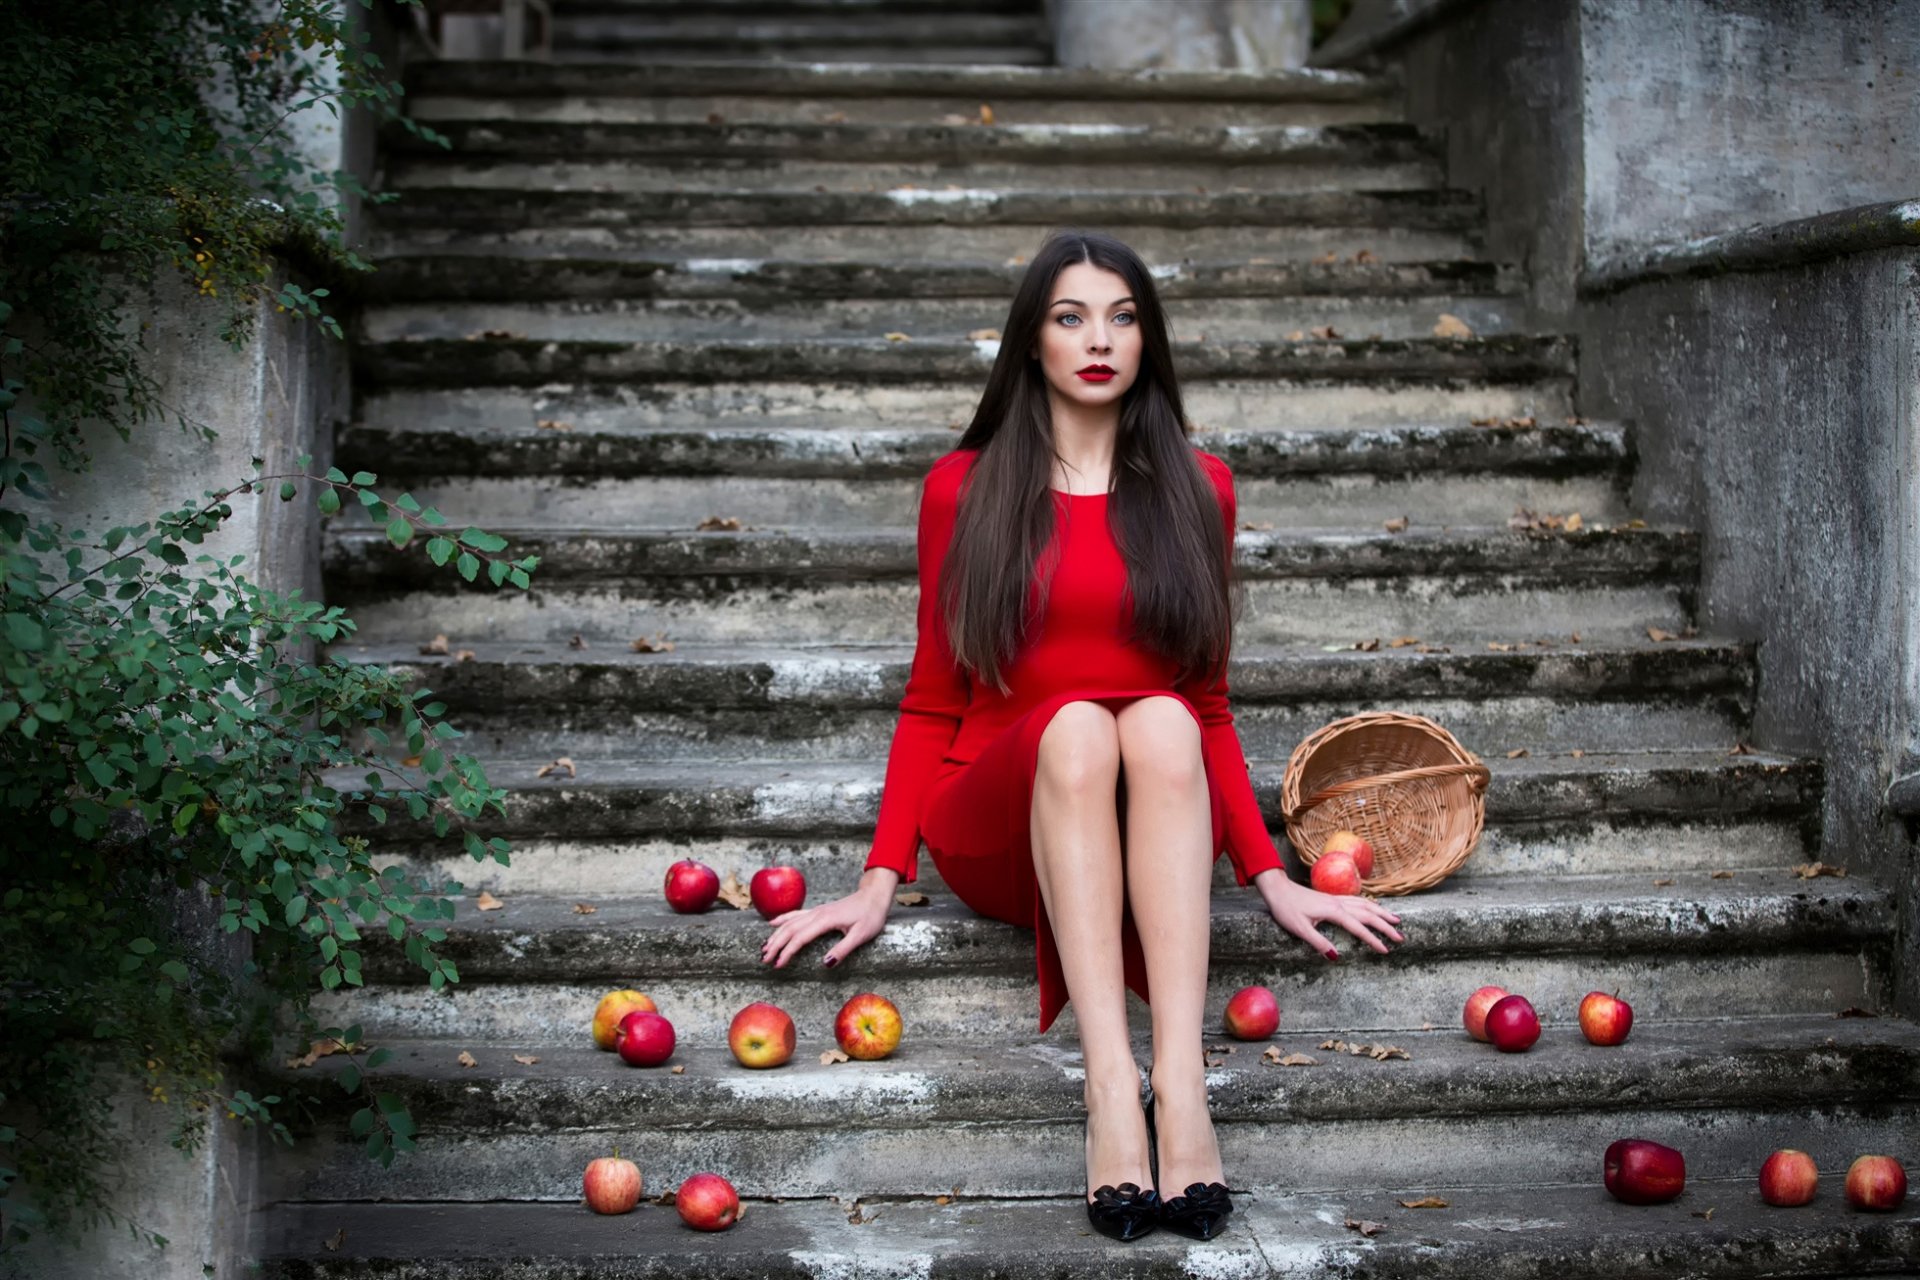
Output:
x=1364 y=1227
x=1397 y=525
x=466 y=1059
x=1297 y=335
x=1722 y=875
x=834 y=117
x=320 y=1049
x=1661 y=884
x=735 y=894
x=1382 y=1052
x=1577 y=753
x=526 y=1059
x=1401 y=642
x=1499 y=646
x=1451 y=326
x=555 y=766
x=1706 y=1213
x=857 y=1218
x=911 y=898
x=984 y=335
x=584 y=908
x=1483 y=422
x=463 y=655
x=1659 y=636
x=719 y=524
x=1296 y=1060
x=1257 y=526
x=898 y=337
x=831 y=1056
x=436 y=645
x=1517 y=753
x=1425 y=1202
x=1740 y=749
x=1328 y=258
x=553 y=424
x=1576 y=421
x=1368 y=646
x=576 y=641
x=679 y=1069
x=657 y=644
x=487 y=902
x=986 y=114
x=1365 y=256
x=1854 y=1011
x=1325 y=332
x=488 y=334
x=334 y=1241
x=1808 y=870
x=411 y=762
x=943 y=1199
x=1573 y=523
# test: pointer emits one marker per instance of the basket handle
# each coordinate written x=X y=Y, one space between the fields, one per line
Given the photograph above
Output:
x=1478 y=775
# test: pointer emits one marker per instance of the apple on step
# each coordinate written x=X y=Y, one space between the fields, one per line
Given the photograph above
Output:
x=1512 y=1024
x=1638 y=1171
x=614 y=1006
x=645 y=1039
x=868 y=1027
x=777 y=890
x=1876 y=1182
x=1253 y=1013
x=1605 y=1019
x=1335 y=873
x=612 y=1185
x=691 y=886
x=761 y=1035
x=1788 y=1178
x=1474 y=1016
x=707 y=1202
x=1354 y=846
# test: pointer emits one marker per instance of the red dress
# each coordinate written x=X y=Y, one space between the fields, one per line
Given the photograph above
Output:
x=960 y=768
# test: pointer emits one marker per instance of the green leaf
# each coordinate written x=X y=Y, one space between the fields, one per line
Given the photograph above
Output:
x=141 y=946
x=364 y=478
x=288 y=491
x=468 y=566
x=440 y=550
x=329 y=502
x=481 y=540
x=400 y=531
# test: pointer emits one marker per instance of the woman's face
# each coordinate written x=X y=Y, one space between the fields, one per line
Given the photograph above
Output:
x=1091 y=321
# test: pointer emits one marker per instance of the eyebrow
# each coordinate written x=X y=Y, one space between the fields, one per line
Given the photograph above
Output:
x=1075 y=302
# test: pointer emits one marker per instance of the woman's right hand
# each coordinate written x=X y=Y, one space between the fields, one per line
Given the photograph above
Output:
x=859 y=916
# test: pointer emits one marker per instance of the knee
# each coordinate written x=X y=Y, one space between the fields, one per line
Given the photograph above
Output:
x=1160 y=745
x=1080 y=750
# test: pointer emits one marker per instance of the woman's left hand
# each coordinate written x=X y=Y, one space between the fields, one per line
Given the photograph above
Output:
x=1299 y=910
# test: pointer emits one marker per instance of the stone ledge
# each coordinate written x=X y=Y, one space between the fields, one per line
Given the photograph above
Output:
x=1762 y=248
x=1568 y=1232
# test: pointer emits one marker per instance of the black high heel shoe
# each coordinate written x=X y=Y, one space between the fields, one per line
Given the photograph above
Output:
x=1202 y=1210
x=1125 y=1212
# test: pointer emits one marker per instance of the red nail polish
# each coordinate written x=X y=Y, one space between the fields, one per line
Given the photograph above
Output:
x=1333 y=955
x=832 y=961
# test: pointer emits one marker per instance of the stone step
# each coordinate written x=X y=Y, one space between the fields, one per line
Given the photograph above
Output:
x=807 y=587
x=493 y=267
x=1573 y=1232
x=403 y=436
x=730 y=231
x=459 y=362
x=861 y=319
x=748 y=703
x=796 y=31
x=1006 y=1117
x=1763 y=944
x=792 y=418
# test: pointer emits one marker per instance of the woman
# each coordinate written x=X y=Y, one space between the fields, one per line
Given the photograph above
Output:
x=1065 y=746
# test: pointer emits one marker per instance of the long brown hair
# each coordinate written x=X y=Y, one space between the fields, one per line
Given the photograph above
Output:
x=1162 y=507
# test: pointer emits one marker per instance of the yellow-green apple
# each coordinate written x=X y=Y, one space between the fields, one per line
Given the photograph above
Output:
x=1605 y=1019
x=644 y=1039
x=777 y=890
x=868 y=1027
x=761 y=1035
x=1354 y=846
x=1475 y=1014
x=614 y=1006
x=1788 y=1178
x=1876 y=1182
x=1252 y=1014
x=1641 y=1172
x=1335 y=873
x=612 y=1185
x=707 y=1202
x=691 y=886
x=1512 y=1024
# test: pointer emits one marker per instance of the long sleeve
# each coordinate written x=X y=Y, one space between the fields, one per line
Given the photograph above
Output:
x=1249 y=843
x=937 y=690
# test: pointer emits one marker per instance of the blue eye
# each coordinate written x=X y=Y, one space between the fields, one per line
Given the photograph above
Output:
x=1069 y=315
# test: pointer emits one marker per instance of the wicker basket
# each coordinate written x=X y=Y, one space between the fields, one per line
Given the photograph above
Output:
x=1402 y=782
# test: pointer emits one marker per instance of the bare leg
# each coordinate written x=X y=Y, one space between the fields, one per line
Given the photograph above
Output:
x=1169 y=884
x=1076 y=858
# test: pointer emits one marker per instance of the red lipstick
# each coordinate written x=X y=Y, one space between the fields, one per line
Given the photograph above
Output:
x=1096 y=373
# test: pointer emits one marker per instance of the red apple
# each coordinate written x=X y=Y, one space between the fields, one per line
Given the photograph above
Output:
x=1876 y=1182
x=1605 y=1019
x=1475 y=1014
x=868 y=1027
x=777 y=890
x=1788 y=1178
x=1252 y=1014
x=645 y=1039
x=1512 y=1024
x=1336 y=873
x=761 y=1035
x=1354 y=846
x=707 y=1202
x=612 y=1185
x=1641 y=1172
x=614 y=1006
x=692 y=886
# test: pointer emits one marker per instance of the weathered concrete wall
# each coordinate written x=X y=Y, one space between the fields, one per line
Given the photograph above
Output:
x=1779 y=413
x=1503 y=78
x=276 y=398
x=1186 y=35
x=1709 y=115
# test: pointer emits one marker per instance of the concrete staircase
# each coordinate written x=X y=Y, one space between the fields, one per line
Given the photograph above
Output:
x=643 y=291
